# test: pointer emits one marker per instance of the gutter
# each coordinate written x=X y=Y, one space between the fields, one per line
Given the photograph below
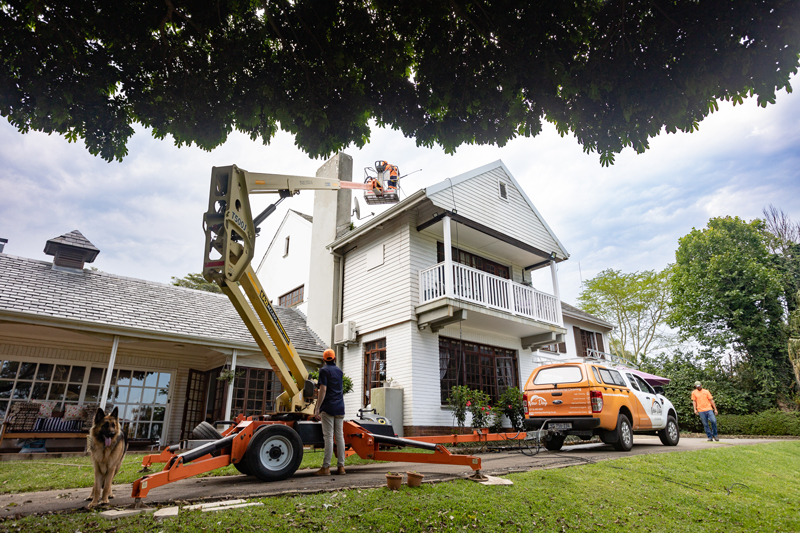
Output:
x=584 y=318
x=97 y=327
x=379 y=219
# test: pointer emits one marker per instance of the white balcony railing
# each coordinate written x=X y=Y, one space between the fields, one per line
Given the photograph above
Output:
x=478 y=287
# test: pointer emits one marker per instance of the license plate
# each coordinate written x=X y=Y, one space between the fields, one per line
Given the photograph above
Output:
x=560 y=425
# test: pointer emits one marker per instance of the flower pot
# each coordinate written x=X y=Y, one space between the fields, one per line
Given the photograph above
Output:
x=414 y=479
x=393 y=481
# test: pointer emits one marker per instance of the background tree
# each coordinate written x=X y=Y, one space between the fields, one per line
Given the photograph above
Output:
x=197 y=282
x=794 y=343
x=783 y=239
x=727 y=294
x=637 y=305
x=615 y=74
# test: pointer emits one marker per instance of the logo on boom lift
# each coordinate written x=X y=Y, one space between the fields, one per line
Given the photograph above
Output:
x=238 y=221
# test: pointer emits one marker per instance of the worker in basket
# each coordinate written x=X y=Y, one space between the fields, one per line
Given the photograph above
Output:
x=330 y=410
x=394 y=173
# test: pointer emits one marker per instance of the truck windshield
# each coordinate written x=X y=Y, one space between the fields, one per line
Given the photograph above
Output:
x=559 y=374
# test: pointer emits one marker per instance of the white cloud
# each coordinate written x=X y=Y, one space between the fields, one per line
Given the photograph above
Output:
x=145 y=213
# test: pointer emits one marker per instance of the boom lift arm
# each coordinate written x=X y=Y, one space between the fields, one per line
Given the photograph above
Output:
x=270 y=446
x=230 y=244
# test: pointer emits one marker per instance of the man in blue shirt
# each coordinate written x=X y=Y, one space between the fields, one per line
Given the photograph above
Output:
x=330 y=409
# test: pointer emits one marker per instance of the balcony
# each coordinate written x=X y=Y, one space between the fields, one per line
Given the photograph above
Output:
x=486 y=290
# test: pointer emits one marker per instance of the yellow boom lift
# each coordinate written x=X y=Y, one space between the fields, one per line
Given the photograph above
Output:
x=270 y=446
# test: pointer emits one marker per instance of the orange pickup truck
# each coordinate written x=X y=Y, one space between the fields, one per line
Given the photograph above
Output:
x=595 y=398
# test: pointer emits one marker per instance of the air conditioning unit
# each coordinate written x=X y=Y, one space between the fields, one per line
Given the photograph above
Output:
x=345 y=333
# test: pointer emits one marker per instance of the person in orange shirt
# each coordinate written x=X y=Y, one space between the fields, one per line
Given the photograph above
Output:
x=703 y=404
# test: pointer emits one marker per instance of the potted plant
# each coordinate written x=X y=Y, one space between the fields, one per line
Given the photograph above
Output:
x=414 y=479
x=227 y=375
x=394 y=480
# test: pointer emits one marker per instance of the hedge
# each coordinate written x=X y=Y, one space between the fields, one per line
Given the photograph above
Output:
x=772 y=422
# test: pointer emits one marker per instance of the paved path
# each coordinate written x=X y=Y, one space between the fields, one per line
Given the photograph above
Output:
x=361 y=476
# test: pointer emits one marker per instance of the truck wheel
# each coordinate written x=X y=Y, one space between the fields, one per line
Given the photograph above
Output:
x=624 y=434
x=670 y=435
x=555 y=443
x=206 y=431
x=243 y=467
x=274 y=453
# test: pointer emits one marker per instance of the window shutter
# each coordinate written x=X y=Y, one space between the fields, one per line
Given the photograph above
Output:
x=600 y=341
x=562 y=347
x=579 y=347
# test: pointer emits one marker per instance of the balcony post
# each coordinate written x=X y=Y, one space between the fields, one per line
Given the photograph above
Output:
x=448 y=258
x=556 y=292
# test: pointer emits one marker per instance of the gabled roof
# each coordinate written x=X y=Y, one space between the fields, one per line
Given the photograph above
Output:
x=496 y=167
x=290 y=212
x=32 y=289
x=307 y=217
x=439 y=191
x=583 y=315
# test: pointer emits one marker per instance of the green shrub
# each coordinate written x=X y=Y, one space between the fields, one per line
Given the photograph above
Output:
x=510 y=405
x=459 y=396
x=769 y=423
x=478 y=405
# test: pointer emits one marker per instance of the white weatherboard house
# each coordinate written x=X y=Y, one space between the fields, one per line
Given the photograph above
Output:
x=436 y=292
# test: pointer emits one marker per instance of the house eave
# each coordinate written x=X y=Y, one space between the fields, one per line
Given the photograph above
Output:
x=401 y=207
x=590 y=320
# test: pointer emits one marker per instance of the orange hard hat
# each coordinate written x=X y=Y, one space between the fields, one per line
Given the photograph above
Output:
x=328 y=355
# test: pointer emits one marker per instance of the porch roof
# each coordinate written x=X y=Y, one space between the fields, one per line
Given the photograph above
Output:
x=31 y=291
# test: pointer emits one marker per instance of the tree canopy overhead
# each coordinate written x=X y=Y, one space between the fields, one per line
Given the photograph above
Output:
x=613 y=73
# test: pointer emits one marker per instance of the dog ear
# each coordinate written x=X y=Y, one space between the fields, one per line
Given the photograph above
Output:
x=99 y=416
x=115 y=413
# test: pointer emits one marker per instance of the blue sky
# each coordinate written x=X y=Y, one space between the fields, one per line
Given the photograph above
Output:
x=145 y=213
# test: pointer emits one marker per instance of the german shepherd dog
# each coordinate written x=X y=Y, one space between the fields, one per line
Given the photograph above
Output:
x=107 y=444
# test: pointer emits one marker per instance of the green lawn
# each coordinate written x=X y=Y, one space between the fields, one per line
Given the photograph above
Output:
x=76 y=472
x=731 y=489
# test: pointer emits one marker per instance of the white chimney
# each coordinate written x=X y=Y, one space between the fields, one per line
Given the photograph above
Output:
x=331 y=219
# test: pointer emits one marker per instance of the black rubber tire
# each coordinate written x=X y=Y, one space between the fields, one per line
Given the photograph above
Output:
x=243 y=467
x=205 y=431
x=274 y=453
x=624 y=434
x=555 y=443
x=671 y=433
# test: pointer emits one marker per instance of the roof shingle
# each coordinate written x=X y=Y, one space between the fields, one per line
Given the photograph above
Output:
x=33 y=286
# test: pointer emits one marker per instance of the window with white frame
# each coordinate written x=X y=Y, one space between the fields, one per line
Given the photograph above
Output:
x=140 y=395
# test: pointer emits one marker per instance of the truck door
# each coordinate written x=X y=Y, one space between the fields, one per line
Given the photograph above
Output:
x=639 y=403
x=653 y=407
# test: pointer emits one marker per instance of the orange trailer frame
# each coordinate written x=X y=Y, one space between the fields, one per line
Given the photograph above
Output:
x=361 y=442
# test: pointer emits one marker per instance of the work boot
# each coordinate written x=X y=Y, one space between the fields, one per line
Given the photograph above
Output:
x=323 y=472
x=340 y=471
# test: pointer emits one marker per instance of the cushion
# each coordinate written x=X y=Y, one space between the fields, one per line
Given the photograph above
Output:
x=73 y=412
x=46 y=408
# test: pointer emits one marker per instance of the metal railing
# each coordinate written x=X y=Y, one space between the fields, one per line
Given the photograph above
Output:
x=478 y=287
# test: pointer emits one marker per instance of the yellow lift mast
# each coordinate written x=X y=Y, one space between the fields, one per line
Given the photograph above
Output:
x=230 y=232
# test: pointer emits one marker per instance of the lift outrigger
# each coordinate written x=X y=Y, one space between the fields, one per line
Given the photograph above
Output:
x=270 y=447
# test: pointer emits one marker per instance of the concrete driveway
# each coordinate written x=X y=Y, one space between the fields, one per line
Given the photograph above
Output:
x=362 y=476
